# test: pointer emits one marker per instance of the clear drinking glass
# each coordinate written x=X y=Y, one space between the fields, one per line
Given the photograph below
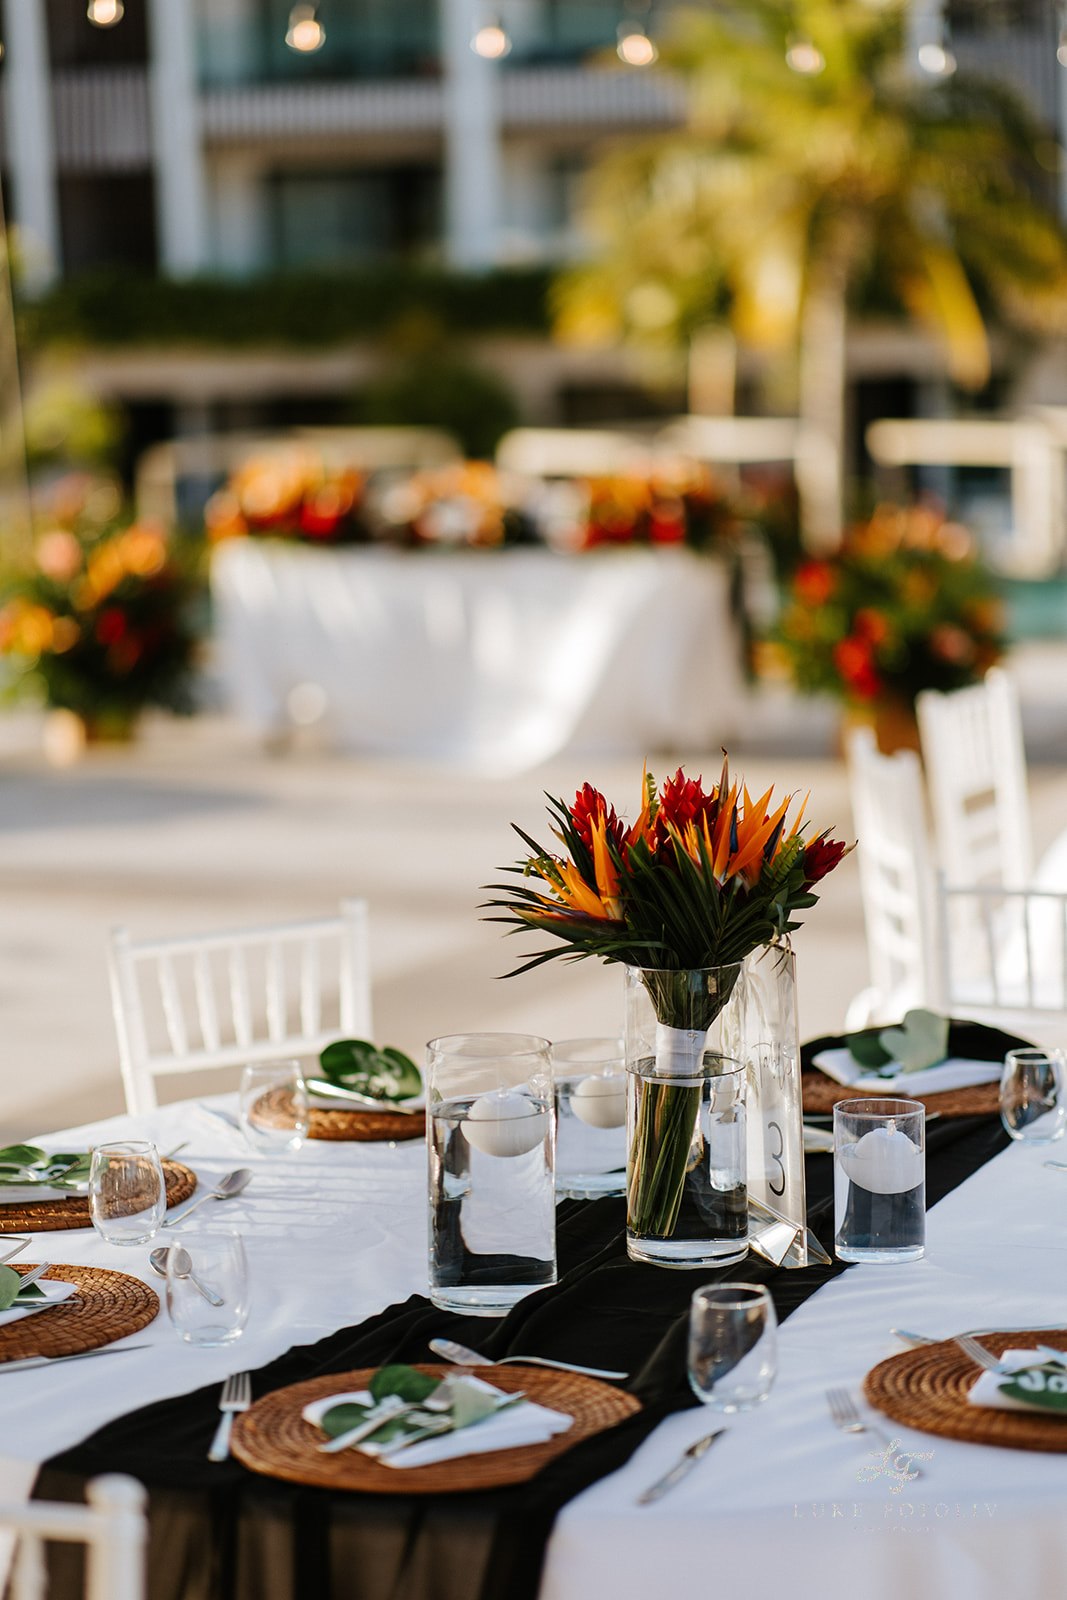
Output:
x=274 y=1106
x=590 y=1084
x=127 y=1191
x=207 y=1267
x=879 y=1180
x=491 y=1147
x=1033 y=1101
x=733 y=1345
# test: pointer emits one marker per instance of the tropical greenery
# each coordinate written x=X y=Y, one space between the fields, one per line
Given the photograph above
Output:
x=789 y=194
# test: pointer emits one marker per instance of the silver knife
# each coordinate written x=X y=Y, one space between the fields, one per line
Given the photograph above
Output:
x=55 y=1361
x=689 y=1460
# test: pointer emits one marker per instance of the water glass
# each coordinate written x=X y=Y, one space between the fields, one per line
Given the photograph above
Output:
x=207 y=1287
x=1033 y=1101
x=127 y=1191
x=733 y=1345
x=590 y=1085
x=274 y=1106
x=879 y=1180
x=491 y=1149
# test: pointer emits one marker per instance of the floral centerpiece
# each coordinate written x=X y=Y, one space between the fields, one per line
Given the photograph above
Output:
x=101 y=622
x=675 y=502
x=290 y=494
x=698 y=881
x=467 y=504
x=905 y=604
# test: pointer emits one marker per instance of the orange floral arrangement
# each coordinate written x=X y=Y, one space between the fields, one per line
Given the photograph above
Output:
x=289 y=494
x=102 y=621
x=905 y=604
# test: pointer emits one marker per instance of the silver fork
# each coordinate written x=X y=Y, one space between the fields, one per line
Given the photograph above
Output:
x=236 y=1396
x=33 y=1274
x=978 y=1353
x=844 y=1415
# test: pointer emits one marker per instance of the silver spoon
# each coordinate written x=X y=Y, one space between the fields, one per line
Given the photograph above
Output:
x=182 y=1268
x=227 y=1188
x=338 y=1092
x=464 y=1356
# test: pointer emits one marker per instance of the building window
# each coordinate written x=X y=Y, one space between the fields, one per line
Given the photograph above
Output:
x=329 y=219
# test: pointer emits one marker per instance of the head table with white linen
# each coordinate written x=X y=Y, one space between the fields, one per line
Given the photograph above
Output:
x=337 y=1233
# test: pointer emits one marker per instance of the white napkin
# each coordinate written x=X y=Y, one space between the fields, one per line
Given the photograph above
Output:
x=986 y=1392
x=818 y=1141
x=522 y=1424
x=17 y=1194
x=955 y=1073
x=54 y=1291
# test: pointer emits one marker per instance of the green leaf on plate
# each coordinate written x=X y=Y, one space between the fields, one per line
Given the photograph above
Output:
x=21 y=1155
x=866 y=1048
x=385 y=1074
x=1044 y=1386
x=920 y=1042
x=339 y=1419
x=404 y=1382
x=9 y=1286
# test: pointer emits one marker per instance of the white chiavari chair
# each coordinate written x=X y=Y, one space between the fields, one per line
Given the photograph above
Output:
x=207 y=1000
x=112 y=1526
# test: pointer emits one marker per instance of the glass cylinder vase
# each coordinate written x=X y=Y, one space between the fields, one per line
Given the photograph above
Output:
x=686 y=1164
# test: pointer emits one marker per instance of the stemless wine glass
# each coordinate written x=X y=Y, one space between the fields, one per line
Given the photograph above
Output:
x=127 y=1191
x=1033 y=1101
x=733 y=1345
x=207 y=1286
x=274 y=1106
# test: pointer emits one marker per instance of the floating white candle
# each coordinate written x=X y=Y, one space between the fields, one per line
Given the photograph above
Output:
x=505 y=1123
x=600 y=1100
x=884 y=1161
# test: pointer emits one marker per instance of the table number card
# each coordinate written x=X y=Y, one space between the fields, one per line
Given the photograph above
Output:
x=770 y=1036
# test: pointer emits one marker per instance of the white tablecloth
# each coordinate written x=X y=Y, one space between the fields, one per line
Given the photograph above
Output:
x=337 y=1232
x=492 y=659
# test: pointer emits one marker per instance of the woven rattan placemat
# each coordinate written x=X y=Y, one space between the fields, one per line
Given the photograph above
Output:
x=46 y=1216
x=107 y=1306
x=326 y=1123
x=273 y=1438
x=927 y=1389
x=822 y=1093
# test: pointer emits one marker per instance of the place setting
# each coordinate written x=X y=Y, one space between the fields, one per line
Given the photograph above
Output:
x=44 y=1192
x=360 y=1092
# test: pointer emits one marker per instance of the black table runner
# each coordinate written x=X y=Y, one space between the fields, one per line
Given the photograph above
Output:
x=220 y=1532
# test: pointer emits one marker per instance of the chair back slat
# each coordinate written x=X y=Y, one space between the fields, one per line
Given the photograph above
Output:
x=218 y=1000
x=112 y=1526
x=29 y=1575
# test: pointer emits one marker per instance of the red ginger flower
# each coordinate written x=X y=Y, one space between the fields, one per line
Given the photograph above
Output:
x=821 y=857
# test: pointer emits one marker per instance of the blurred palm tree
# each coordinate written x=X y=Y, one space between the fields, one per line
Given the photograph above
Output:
x=786 y=190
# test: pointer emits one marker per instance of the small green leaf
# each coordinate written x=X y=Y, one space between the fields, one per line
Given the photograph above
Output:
x=385 y=1074
x=9 y=1286
x=339 y=1419
x=404 y=1382
x=920 y=1042
x=866 y=1049
x=1039 y=1386
x=21 y=1155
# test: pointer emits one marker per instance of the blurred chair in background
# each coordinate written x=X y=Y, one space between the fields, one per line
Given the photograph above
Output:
x=112 y=1526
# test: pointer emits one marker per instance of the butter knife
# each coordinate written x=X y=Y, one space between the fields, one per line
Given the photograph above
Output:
x=54 y=1361
x=689 y=1460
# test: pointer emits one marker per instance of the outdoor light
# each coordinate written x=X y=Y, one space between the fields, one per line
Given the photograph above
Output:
x=491 y=41
x=805 y=57
x=104 y=13
x=937 y=60
x=634 y=46
x=305 y=32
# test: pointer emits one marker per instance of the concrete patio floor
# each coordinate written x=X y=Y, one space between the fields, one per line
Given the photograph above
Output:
x=194 y=827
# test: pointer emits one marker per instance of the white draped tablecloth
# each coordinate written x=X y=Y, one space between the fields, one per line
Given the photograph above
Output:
x=491 y=659
x=337 y=1232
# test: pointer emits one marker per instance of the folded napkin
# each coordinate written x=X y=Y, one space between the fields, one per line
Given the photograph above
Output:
x=338 y=1102
x=1035 y=1381
x=955 y=1073
x=818 y=1141
x=20 y=1194
x=52 y=1292
x=522 y=1424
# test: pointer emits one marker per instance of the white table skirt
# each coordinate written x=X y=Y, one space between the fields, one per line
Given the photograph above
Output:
x=337 y=1232
x=491 y=659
